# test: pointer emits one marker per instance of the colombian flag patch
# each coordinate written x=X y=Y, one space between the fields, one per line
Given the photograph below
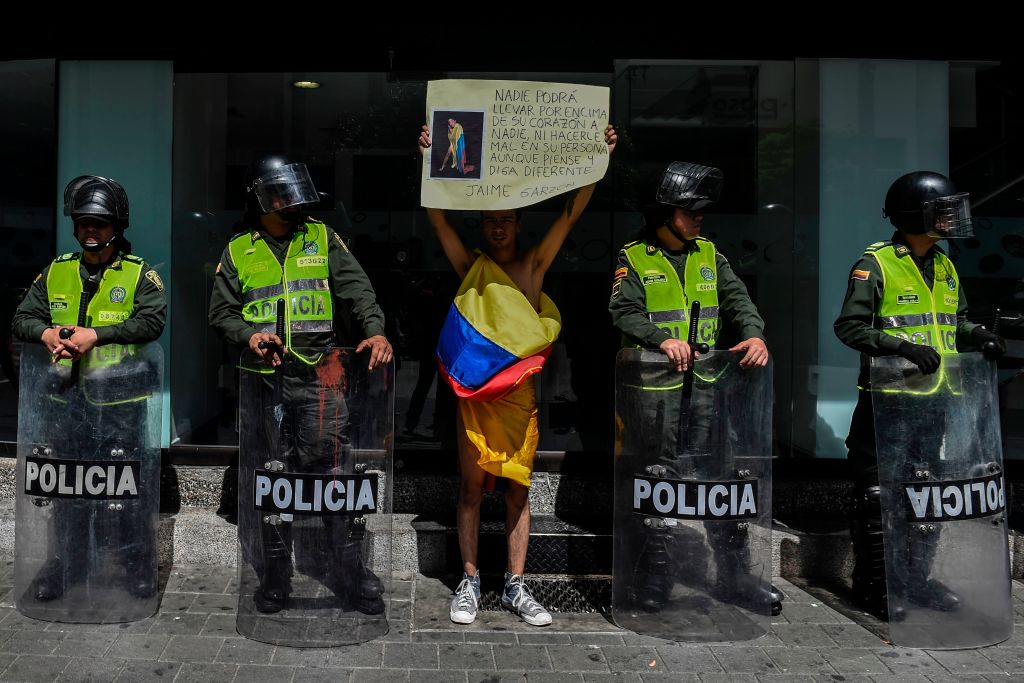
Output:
x=621 y=273
x=860 y=275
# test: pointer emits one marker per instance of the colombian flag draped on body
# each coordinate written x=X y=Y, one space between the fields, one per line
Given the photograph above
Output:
x=491 y=344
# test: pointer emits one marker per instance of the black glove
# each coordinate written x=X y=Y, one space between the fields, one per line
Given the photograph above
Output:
x=924 y=357
x=990 y=343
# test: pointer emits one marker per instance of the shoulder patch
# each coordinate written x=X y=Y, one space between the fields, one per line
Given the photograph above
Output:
x=340 y=241
x=901 y=249
x=132 y=258
x=153 y=277
x=877 y=245
x=67 y=257
x=859 y=274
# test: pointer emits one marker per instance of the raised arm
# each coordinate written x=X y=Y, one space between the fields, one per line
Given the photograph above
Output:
x=544 y=253
x=458 y=255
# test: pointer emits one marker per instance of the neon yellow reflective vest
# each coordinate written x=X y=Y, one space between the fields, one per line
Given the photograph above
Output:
x=910 y=310
x=112 y=304
x=303 y=283
x=113 y=301
x=668 y=300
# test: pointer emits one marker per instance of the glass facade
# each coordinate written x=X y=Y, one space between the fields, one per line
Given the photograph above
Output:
x=807 y=147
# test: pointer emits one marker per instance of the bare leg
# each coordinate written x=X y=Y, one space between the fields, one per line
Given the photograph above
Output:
x=470 y=494
x=517 y=525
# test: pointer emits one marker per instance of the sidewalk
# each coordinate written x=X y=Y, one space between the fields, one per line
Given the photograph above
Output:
x=193 y=638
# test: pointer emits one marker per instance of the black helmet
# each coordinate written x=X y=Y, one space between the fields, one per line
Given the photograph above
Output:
x=927 y=202
x=274 y=183
x=689 y=186
x=93 y=195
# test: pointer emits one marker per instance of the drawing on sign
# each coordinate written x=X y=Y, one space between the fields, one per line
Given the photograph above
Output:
x=460 y=158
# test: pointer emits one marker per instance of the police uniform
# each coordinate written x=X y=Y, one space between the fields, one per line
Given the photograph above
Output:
x=652 y=291
x=329 y=301
x=887 y=303
x=127 y=308
x=893 y=298
x=647 y=274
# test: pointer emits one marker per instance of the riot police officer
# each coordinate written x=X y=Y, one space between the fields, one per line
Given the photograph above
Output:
x=87 y=308
x=905 y=298
x=283 y=255
x=657 y=277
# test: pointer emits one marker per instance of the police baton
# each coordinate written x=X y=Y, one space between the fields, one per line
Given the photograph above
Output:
x=691 y=339
x=280 y=332
x=89 y=287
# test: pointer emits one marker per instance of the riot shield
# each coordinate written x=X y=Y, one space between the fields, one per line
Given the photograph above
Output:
x=314 y=498
x=692 y=529
x=940 y=468
x=88 y=483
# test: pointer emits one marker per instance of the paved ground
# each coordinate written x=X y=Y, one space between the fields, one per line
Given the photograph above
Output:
x=193 y=638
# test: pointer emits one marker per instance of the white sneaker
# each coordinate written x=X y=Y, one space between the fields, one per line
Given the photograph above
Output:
x=517 y=598
x=466 y=600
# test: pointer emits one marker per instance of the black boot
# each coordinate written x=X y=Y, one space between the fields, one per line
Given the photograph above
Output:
x=655 y=575
x=48 y=584
x=275 y=578
x=869 y=585
x=922 y=590
x=735 y=582
x=139 y=579
x=355 y=585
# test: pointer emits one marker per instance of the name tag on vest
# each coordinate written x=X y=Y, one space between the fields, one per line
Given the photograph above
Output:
x=307 y=261
x=654 y=279
x=907 y=299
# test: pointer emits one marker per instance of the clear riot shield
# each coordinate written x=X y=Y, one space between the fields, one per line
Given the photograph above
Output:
x=940 y=468
x=88 y=479
x=692 y=531
x=314 y=498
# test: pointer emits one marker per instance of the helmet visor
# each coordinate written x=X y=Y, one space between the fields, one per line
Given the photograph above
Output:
x=284 y=188
x=949 y=217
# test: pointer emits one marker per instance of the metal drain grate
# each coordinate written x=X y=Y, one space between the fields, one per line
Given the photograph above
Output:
x=588 y=594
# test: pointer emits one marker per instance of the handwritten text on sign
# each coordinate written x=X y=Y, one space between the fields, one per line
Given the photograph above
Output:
x=508 y=144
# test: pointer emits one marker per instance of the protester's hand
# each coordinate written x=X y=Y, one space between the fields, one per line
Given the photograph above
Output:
x=380 y=350
x=678 y=353
x=424 y=140
x=272 y=348
x=610 y=138
x=924 y=357
x=756 y=353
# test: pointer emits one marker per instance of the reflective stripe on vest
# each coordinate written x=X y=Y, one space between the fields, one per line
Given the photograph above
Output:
x=911 y=311
x=304 y=282
x=664 y=293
